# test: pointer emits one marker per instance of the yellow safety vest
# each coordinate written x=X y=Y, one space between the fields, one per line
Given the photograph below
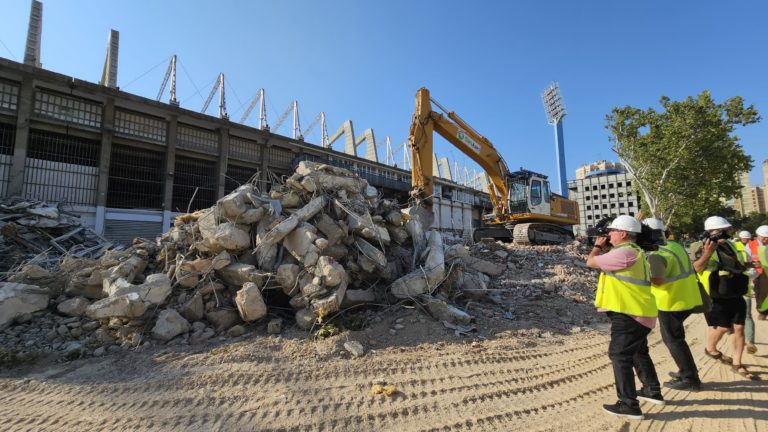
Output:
x=680 y=291
x=628 y=290
x=744 y=258
x=713 y=263
x=761 y=252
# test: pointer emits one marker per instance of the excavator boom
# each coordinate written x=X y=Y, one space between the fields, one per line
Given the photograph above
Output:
x=523 y=207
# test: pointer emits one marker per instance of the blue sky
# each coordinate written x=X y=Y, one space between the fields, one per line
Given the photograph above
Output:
x=363 y=60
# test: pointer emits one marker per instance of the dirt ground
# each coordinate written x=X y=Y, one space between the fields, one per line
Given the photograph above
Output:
x=510 y=375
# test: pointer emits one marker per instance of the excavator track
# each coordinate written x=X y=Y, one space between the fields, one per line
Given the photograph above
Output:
x=540 y=234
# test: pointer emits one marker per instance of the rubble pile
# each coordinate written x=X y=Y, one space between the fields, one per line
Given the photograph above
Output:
x=320 y=243
x=45 y=233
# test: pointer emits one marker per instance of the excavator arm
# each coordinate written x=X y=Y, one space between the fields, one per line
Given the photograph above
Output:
x=456 y=131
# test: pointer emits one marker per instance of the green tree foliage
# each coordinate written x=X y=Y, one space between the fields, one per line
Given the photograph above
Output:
x=686 y=157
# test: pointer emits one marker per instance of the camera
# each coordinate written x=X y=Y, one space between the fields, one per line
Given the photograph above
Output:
x=722 y=235
x=599 y=230
x=650 y=239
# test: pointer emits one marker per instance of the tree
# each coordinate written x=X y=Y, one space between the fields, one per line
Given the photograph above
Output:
x=686 y=158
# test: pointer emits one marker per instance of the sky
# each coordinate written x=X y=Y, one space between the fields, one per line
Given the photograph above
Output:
x=488 y=61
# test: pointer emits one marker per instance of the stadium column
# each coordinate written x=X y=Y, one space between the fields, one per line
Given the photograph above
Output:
x=24 y=114
x=105 y=155
x=264 y=179
x=170 y=166
x=223 y=161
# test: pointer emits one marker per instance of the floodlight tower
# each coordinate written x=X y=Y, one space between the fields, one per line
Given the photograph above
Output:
x=553 y=104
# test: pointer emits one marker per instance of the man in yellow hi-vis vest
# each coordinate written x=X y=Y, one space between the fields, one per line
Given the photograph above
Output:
x=761 y=283
x=624 y=292
x=721 y=270
x=676 y=290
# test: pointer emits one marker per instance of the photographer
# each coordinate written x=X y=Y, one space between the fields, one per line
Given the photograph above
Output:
x=624 y=292
x=674 y=286
x=721 y=270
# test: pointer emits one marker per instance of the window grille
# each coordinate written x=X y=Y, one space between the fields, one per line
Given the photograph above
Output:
x=278 y=157
x=237 y=176
x=7 y=142
x=140 y=126
x=191 y=174
x=198 y=139
x=136 y=178
x=68 y=109
x=9 y=96
x=61 y=168
x=243 y=149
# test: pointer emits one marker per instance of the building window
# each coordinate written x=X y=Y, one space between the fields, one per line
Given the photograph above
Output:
x=629 y=183
x=589 y=207
x=604 y=196
x=595 y=197
x=602 y=186
x=586 y=198
x=594 y=187
x=136 y=178
x=589 y=217
x=605 y=205
x=612 y=195
x=621 y=205
x=619 y=184
x=631 y=213
x=610 y=185
x=613 y=205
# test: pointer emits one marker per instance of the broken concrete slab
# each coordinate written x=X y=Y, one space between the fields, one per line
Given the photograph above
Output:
x=222 y=319
x=287 y=276
x=74 y=307
x=483 y=266
x=250 y=303
x=169 y=324
x=155 y=289
x=127 y=306
x=193 y=309
x=18 y=299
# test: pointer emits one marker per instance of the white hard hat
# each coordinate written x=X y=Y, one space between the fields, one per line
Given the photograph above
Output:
x=762 y=231
x=745 y=235
x=626 y=223
x=654 y=223
x=716 y=222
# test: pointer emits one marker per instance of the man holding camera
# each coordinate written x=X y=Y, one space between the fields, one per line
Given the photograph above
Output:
x=624 y=292
x=676 y=290
x=721 y=270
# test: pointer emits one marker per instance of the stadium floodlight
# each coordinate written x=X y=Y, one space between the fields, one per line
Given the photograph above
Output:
x=553 y=104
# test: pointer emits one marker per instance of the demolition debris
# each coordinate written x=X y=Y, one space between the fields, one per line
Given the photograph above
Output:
x=321 y=243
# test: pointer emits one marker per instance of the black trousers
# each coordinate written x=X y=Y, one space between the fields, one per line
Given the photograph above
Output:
x=628 y=352
x=673 y=335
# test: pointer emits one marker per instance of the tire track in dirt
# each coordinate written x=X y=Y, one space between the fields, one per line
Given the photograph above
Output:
x=558 y=386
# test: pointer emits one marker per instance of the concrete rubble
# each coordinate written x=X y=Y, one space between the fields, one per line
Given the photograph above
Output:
x=317 y=244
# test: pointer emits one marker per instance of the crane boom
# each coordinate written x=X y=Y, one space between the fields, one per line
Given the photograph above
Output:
x=253 y=104
x=282 y=118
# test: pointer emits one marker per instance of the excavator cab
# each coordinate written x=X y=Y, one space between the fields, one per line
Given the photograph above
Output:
x=528 y=193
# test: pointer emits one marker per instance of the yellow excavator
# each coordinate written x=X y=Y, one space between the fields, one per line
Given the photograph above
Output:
x=524 y=209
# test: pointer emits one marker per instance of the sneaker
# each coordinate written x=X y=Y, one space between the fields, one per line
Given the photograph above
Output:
x=675 y=375
x=683 y=384
x=751 y=348
x=621 y=409
x=645 y=394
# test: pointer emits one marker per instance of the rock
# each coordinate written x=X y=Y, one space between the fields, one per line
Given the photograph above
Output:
x=287 y=277
x=76 y=332
x=355 y=348
x=305 y=319
x=201 y=336
x=250 y=303
x=18 y=299
x=445 y=312
x=72 y=350
x=100 y=351
x=275 y=326
x=63 y=331
x=231 y=237
x=456 y=251
x=424 y=280
x=155 y=289
x=127 y=269
x=169 y=325
x=236 y=331
x=73 y=307
x=251 y=216
x=501 y=254
x=128 y=305
x=193 y=309
x=238 y=274
x=103 y=336
x=487 y=267
x=331 y=229
x=86 y=282
x=372 y=253
x=301 y=241
x=234 y=204
x=332 y=272
x=358 y=296
x=222 y=319
x=90 y=326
